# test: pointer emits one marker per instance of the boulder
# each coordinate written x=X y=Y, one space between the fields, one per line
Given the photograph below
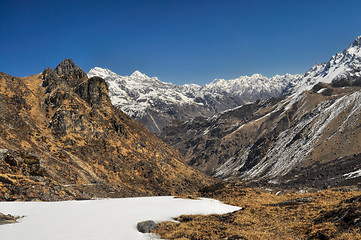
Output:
x=146 y=226
x=293 y=202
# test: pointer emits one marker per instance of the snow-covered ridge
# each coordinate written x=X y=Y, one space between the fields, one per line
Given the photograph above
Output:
x=144 y=97
x=252 y=87
x=155 y=102
x=343 y=65
x=135 y=93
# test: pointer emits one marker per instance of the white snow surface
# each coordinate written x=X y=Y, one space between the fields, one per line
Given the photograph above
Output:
x=105 y=219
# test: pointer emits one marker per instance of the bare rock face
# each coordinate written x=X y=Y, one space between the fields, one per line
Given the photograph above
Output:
x=94 y=91
x=69 y=70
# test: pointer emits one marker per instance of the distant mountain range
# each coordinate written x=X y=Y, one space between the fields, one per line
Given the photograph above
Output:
x=155 y=103
x=309 y=136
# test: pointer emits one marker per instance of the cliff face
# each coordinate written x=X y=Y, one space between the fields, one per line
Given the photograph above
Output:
x=61 y=138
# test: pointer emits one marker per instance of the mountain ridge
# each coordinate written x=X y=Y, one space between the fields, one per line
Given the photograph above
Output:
x=155 y=103
x=61 y=138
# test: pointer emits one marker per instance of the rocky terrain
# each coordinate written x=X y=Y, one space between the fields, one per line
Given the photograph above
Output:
x=61 y=138
x=309 y=138
x=155 y=103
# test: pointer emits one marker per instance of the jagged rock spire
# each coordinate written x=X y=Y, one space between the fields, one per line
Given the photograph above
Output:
x=69 y=70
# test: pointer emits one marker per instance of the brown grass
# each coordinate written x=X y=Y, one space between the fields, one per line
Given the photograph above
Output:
x=260 y=220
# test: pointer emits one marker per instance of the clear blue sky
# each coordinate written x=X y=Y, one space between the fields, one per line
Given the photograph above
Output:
x=178 y=41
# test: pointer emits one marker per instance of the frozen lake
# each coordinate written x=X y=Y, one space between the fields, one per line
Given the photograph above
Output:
x=105 y=219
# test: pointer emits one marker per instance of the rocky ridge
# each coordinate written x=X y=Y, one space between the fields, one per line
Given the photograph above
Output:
x=61 y=138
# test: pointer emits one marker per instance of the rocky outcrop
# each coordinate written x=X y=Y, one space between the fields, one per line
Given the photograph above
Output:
x=293 y=202
x=94 y=92
x=6 y=219
x=68 y=70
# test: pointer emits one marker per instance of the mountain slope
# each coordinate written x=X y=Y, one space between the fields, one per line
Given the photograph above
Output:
x=61 y=138
x=309 y=137
x=271 y=141
x=155 y=103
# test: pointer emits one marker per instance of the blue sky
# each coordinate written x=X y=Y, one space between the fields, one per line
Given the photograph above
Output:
x=178 y=41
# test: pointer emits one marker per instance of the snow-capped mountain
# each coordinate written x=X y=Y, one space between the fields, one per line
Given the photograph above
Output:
x=252 y=88
x=345 y=65
x=155 y=103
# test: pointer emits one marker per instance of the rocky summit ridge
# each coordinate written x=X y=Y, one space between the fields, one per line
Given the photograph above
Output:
x=61 y=138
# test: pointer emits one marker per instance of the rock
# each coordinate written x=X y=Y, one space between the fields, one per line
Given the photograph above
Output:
x=6 y=219
x=293 y=202
x=7 y=156
x=67 y=69
x=94 y=91
x=146 y=226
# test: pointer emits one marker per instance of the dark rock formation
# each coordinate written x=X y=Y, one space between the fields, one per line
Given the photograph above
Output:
x=67 y=69
x=94 y=91
x=293 y=202
x=346 y=217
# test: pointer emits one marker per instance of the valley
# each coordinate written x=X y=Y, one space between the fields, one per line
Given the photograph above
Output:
x=284 y=151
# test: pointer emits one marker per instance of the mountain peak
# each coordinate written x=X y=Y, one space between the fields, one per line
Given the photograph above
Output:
x=257 y=75
x=138 y=74
x=357 y=42
x=69 y=70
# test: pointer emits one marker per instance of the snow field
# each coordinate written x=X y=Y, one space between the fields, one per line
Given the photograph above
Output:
x=106 y=219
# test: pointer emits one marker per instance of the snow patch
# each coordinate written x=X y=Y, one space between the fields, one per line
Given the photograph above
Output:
x=106 y=219
x=354 y=174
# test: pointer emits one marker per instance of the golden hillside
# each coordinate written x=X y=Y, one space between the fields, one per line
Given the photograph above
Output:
x=61 y=138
